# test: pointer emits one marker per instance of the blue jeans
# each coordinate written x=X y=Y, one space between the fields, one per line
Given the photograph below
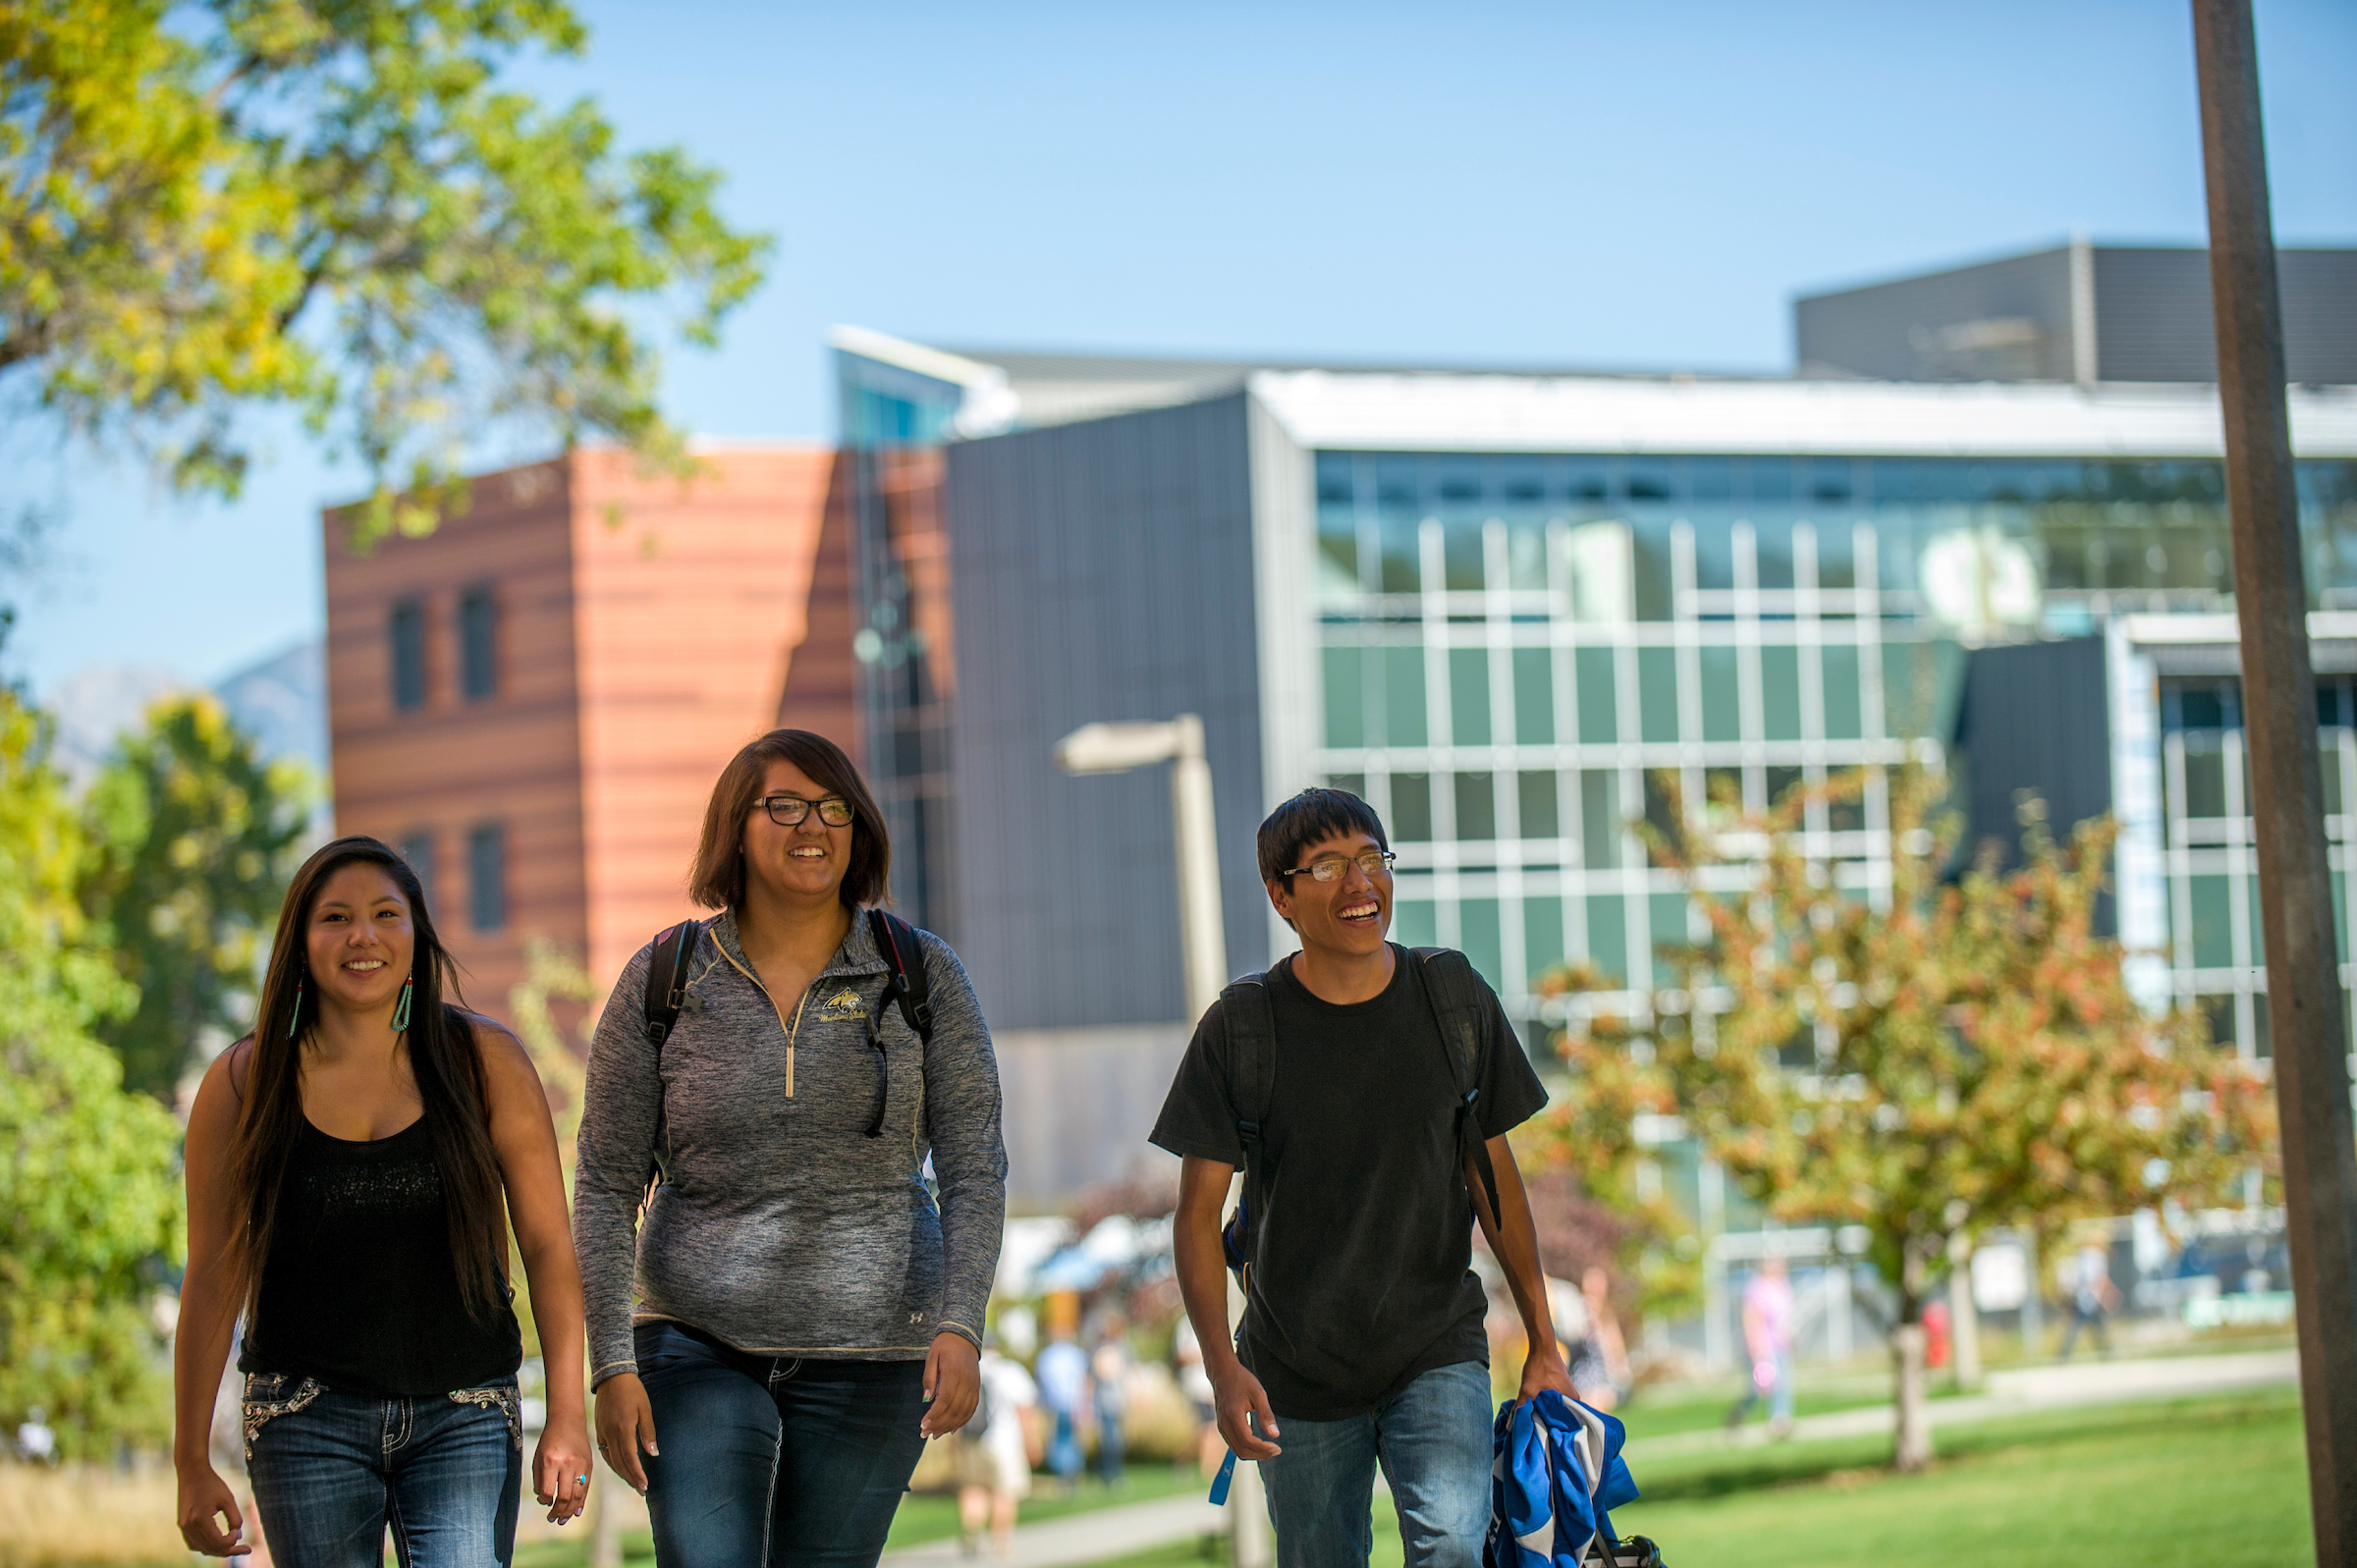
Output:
x=1064 y=1448
x=774 y=1459
x=331 y=1471
x=1433 y=1443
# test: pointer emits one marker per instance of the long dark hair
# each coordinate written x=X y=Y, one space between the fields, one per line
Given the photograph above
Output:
x=443 y=1059
x=717 y=880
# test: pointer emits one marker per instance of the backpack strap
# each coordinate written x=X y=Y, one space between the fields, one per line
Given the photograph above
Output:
x=667 y=970
x=667 y=980
x=1250 y=1023
x=906 y=984
x=1455 y=993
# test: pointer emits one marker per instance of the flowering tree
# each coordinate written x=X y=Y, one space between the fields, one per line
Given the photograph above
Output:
x=1947 y=1057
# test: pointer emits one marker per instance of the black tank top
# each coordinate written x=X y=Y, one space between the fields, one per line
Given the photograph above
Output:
x=359 y=1290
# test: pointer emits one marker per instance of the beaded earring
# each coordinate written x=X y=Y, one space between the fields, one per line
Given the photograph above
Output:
x=294 y=1018
x=401 y=1014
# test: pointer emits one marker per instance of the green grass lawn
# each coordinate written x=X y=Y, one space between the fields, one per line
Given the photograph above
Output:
x=2207 y=1483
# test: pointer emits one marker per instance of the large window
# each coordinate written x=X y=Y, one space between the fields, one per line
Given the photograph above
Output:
x=478 y=643
x=2217 y=947
x=408 y=653
x=487 y=877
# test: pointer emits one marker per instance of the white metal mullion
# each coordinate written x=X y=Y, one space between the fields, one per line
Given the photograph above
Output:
x=1628 y=877
x=2238 y=901
x=1751 y=720
x=1807 y=642
x=1867 y=570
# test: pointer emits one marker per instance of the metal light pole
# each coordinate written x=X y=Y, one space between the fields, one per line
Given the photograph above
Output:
x=1203 y=941
x=1122 y=747
x=2303 y=982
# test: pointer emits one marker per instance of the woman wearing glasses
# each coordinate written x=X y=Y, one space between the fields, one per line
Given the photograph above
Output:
x=828 y=1186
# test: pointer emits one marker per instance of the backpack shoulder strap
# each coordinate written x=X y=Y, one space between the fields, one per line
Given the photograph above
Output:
x=667 y=980
x=666 y=971
x=1250 y=1025
x=906 y=984
x=1454 y=992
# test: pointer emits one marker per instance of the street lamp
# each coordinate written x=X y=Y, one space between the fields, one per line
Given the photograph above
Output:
x=1123 y=747
x=1203 y=940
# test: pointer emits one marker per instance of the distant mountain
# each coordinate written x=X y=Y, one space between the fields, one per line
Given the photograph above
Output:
x=281 y=701
x=97 y=704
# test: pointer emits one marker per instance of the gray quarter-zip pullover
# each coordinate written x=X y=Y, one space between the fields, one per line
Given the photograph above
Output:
x=781 y=1228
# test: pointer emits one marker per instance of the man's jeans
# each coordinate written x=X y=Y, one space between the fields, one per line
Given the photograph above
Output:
x=774 y=1459
x=332 y=1470
x=1433 y=1443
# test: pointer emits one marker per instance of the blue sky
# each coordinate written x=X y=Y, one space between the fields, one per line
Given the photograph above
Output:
x=1568 y=184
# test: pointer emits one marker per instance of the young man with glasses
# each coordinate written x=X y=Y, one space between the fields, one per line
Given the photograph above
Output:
x=1362 y=1135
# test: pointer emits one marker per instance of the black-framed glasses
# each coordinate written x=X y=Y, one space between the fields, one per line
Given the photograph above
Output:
x=788 y=811
x=1374 y=862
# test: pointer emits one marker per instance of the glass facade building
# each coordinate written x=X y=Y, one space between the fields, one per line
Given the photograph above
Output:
x=1513 y=647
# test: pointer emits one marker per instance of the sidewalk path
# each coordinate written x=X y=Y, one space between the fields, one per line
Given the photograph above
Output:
x=1085 y=1538
x=2018 y=1392
x=1102 y=1533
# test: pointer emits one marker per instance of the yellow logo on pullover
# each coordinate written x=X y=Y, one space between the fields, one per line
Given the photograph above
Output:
x=844 y=1003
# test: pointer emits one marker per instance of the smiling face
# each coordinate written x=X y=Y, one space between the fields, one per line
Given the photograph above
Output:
x=805 y=861
x=1347 y=917
x=359 y=938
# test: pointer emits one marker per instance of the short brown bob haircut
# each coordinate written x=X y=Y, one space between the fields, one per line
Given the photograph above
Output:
x=718 y=880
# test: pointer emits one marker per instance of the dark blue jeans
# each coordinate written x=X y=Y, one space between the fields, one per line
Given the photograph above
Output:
x=1433 y=1443
x=331 y=1471
x=771 y=1459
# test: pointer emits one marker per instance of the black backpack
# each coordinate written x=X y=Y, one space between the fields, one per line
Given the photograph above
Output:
x=1457 y=995
x=896 y=939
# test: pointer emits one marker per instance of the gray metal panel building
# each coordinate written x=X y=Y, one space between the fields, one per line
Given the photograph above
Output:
x=1103 y=571
x=2006 y=320
x=2134 y=312
x=2034 y=721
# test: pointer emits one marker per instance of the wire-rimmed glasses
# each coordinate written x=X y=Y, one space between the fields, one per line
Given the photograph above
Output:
x=788 y=811
x=1374 y=862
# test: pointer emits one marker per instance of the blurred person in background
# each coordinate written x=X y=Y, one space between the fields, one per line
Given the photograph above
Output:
x=354 y=1166
x=1187 y=1352
x=996 y=1469
x=1768 y=1313
x=1109 y=1382
x=1373 y=1151
x=2087 y=1281
x=1600 y=1362
x=797 y=1313
x=1063 y=1372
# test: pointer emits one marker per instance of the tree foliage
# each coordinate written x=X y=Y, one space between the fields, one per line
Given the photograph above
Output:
x=89 y=1199
x=192 y=840
x=1596 y=1192
x=335 y=204
x=1943 y=1058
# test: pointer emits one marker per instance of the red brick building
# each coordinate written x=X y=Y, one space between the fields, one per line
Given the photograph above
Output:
x=533 y=701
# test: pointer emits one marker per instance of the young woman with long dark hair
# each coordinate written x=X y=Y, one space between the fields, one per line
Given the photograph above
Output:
x=824 y=1226
x=354 y=1166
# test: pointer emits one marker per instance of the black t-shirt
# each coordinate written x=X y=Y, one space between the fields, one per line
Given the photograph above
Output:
x=1363 y=1281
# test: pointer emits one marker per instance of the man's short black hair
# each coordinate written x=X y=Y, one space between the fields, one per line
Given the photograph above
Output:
x=1308 y=817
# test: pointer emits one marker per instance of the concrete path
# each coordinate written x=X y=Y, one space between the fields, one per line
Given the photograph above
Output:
x=1115 y=1531
x=1087 y=1538
x=2016 y=1392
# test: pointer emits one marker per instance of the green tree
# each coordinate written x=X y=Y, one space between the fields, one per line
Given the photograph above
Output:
x=335 y=204
x=1617 y=1213
x=1934 y=1059
x=192 y=840
x=90 y=1197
